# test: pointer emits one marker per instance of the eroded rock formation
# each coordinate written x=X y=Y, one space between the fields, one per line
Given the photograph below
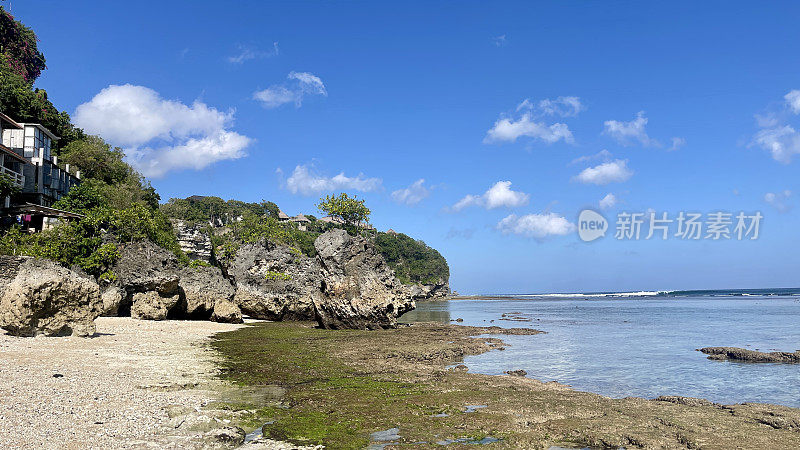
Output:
x=38 y=296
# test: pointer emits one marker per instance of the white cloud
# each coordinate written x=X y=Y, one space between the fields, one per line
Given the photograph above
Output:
x=160 y=135
x=628 y=132
x=413 y=194
x=615 y=171
x=499 y=195
x=609 y=201
x=677 y=142
x=194 y=154
x=499 y=40
x=309 y=82
x=277 y=96
x=510 y=130
x=603 y=155
x=245 y=53
x=779 y=201
x=793 y=100
x=782 y=142
x=777 y=136
x=302 y=84
x=537 y=226
x=562 y=106
x=529 y=123
x=305 y=182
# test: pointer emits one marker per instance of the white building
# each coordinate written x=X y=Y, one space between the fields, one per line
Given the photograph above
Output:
x=11 y=163
x=44 y=181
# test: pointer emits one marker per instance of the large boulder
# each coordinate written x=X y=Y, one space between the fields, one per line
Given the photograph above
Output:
x=202 y=287
x=358 y=289
x=151 y=305
x=226 y=311
x=274 y=282
x=144 y=267
x=40 y=297
x=112 y=298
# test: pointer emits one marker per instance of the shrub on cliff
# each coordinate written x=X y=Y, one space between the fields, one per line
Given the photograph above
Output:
x=89 y=243
x=254 y=228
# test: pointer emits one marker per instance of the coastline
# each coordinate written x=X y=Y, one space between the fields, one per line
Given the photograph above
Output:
x=351 y=389
x=176 y=384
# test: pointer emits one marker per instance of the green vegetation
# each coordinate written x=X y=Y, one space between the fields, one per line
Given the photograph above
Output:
x=413 y=261
x=203 y=209
x=21 y=63
x=91 y=243
x=251 y=228
x=350 y=209
x=277 y=276
x=7 y=187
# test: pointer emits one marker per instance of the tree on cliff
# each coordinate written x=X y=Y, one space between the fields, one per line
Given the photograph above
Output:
x=351 y=210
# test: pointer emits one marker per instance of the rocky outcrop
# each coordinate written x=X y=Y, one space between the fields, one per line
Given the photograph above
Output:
x=154 y=286
x=194 y=240
x=203 y=287
x=741 y=354
x=346 y=285
x=40 y=297
x=152 y=306
x=274 y=282
x=440 y=289
x=358 y=289
x=144 y=267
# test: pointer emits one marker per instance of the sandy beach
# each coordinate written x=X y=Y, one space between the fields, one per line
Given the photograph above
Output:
x=118 y=389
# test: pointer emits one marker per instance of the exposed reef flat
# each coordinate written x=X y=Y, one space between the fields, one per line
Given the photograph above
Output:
x=342 y=387
x=745 y=355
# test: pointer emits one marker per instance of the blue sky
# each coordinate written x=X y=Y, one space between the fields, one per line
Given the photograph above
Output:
x=693 y=103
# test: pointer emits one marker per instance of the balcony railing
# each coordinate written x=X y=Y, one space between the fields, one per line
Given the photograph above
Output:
x=16 y=178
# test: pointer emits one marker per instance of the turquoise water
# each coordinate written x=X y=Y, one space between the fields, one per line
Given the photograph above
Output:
x=641 y=344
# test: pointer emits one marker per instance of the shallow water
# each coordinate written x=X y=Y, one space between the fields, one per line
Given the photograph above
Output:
x=640 y=346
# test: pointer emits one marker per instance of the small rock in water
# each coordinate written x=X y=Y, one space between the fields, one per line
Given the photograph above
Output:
x=473 y=408
x=517 y=373
x=386 y=435
x=460 y=368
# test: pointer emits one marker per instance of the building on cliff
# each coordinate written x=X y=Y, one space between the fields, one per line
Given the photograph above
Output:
x=26 y=159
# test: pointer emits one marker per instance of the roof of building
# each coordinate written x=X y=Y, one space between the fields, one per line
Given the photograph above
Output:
x=7 y=119
x=7 y=151
x=282 y=215
x=300 y=218
x=330 y=219
x=44 y=130
x=30 y=208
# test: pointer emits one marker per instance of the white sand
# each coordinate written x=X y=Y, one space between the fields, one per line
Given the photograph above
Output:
x=115 y=387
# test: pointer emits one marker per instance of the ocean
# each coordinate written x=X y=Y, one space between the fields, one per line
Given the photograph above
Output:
x=640 y=343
